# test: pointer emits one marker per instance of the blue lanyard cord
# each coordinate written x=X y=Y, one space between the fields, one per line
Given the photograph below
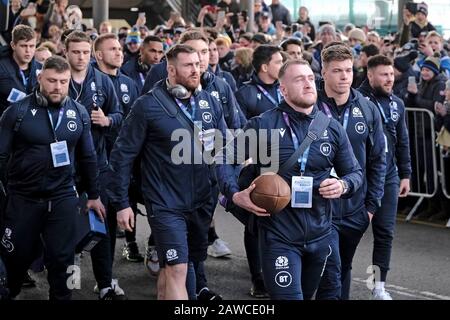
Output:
x=142 y=77
x=304 y=159
x=61 y=113
x=268 y=96
x=24 y=79
x=191 y=116
x=346 y=114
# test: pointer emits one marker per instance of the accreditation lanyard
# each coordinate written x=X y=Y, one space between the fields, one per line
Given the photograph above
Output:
x=268 y=96
x=191 y=116
x=391 y=109
x=142 y=77
x=304 y=158
x=24 y=78
x=60 y=116
x=346 y=114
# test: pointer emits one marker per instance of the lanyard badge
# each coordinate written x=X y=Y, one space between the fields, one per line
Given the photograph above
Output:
x=58 y=149
x=301 y=186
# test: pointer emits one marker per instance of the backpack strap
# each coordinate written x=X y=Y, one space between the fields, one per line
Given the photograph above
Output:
x=98 y=86
x=315 y=131
x=22 y=109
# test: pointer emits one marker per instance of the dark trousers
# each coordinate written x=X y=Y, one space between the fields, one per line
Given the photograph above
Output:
x=345 y=237
x=292 y=272
x=27 y=222
x=383 y=225
x=102 y=254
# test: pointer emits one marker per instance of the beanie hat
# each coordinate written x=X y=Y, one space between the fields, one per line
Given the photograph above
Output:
x=422 y=7
x=433 y=63
x=357 y=34
x=133 y=36
x=403 y=63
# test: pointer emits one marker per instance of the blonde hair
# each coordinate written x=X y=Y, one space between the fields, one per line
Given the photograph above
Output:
x=245 y=56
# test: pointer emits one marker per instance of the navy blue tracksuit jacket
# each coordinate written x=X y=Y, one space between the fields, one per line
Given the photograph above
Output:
x=371 y=156
x=293 y=225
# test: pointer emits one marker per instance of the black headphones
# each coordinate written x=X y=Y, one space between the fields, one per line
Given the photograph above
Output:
x=179 y=91
x=43 y=102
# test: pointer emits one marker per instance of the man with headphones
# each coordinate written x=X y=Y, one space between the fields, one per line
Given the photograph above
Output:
x=95 y=91
x=179 y=214
x=45 y=133
x=150 y=53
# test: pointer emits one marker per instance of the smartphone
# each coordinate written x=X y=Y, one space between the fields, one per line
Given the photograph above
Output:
x=141 y=14
x=212 y=9
x=411 y=80
x=220 y=15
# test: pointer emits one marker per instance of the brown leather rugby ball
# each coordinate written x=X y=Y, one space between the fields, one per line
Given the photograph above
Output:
x=271 y=192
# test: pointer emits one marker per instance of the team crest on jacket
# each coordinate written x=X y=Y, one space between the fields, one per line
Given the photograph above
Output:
x=356 y=112
x=71 y=114
x=215 y=94
x=126 y=98
x=204 y=104
x=123 y=87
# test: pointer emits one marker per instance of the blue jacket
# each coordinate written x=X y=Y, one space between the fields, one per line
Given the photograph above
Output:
x=392 y=111
x=371 y=156
x=227 y=77
x=136 y=71
x=148 y=130
x=105 y=97
x=211 y=83
x=10 y=77
x=294 y=225
x=253 y=101
x=219 y=89
x=30 y=171
x=156 y=73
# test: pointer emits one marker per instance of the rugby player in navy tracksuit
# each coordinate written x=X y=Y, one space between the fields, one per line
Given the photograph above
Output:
x=378 y=88
x=37 y=155
x=362 y=122
x=177 y=194
x=95 y=91
x=295 y=241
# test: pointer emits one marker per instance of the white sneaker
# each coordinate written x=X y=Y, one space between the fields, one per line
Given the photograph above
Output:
x=218 y=249
x=381 y=294
x=115 y=286
x=151 y=260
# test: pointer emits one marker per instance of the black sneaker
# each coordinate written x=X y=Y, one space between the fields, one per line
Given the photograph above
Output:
x=112 y=295
x=131 y=252
x=205 y=295
x=28 y=281
x=258 y=290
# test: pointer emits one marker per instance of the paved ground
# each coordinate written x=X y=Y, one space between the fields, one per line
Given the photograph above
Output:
x=420 y=266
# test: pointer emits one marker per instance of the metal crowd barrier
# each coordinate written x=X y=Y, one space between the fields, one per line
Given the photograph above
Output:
x=424 y=181
x=442 y=174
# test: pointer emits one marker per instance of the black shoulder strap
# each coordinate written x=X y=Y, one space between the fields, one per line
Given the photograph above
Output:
x=169 y=106
x=22 y=109
x=315 y=131
x=98 y=84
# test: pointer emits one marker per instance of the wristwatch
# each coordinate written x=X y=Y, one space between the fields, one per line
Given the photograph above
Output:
x=344 y=186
